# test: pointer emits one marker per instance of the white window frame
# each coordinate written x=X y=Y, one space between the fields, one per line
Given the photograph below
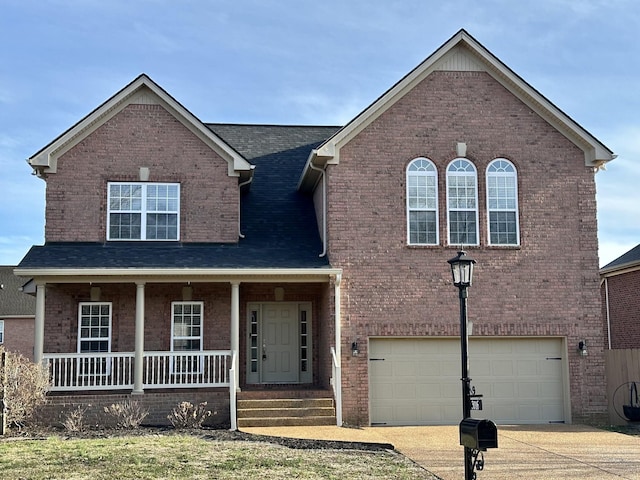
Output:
x=86 y=366
x=179 y=367
x=469 y=170
x=424 y=168
x=144 y=210
x=1 y=332
x=513 y=174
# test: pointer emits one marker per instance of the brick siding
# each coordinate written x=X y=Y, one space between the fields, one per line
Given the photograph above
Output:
x=546 y=287
x=141 y=136
x=18 y=336
x=624 y=311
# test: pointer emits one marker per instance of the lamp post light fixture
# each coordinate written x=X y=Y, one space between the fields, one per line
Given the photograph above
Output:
x=462 y=272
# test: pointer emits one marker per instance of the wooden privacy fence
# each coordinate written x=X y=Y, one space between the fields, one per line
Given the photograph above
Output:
x=622 y=370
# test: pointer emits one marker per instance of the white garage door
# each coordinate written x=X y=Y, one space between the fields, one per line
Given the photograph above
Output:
x=417 y=381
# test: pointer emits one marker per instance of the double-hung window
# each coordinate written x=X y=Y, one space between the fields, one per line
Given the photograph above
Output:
x=422 y=202
x=462 y=202
x=502 y=203
x=94 y=337
x=186 y=328
x=143 y=211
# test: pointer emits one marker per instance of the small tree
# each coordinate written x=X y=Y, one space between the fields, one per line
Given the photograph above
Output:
x=25 y=388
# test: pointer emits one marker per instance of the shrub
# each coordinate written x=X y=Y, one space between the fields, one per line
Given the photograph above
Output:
x=26 y=387
x=127 y=414
x=186 y=415
x=74 y=421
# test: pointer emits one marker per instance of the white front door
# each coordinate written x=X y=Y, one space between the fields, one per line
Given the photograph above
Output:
x=278 y=350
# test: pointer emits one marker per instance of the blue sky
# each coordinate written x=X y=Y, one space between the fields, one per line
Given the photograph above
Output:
x=305 y=62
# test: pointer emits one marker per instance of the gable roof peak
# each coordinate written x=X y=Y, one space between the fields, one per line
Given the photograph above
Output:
x=141 y=89
x=461 y=52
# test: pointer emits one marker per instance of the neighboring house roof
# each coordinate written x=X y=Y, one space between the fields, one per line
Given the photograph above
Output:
x=627 y=261
x=141 y=90
x=14 y=303
x=278 y=222
x=461 y=52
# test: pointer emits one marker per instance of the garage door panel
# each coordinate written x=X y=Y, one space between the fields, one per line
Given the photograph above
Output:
x=418 y=383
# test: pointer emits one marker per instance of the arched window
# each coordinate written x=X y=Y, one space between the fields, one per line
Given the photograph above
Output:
x=502 y=203
x=462 y=202
x=422 y=202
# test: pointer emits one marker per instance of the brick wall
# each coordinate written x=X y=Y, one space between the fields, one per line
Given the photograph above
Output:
x=624 y=309
x=546 y=287
x=158 y=404
x=61 y=315
x=141 y=136
x=18 y=336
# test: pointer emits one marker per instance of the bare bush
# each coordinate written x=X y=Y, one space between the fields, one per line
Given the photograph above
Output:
x=127 y=414
x=186 y=415
x=26 y=387
x=74 y=421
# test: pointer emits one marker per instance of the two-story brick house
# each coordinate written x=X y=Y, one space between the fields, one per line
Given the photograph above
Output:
x=186 y=260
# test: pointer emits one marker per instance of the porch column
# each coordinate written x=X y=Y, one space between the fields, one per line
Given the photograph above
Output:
x=338 y=328
x=235 y=329
x=38 y=340
x=138 y=361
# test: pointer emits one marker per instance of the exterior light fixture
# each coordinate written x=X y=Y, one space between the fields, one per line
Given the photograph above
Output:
x=475 y=435
x=354 y=349
x=582 y=348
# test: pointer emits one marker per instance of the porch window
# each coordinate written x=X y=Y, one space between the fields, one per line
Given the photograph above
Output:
x=1 y=332
x=502 y=203
x=94 y=336
x=462 y=202
x=186 y=328
x=422 y=202
x=143 y=211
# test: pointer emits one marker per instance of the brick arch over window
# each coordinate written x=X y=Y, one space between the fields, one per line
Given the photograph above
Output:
x=502 y=203
x=422 y=202
x=462 y=202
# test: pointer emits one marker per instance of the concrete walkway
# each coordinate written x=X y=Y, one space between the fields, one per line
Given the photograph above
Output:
x=567 y=452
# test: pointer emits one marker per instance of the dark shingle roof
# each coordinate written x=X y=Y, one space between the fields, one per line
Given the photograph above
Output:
x=278 y=222
x=632 y=257
x=12 y=301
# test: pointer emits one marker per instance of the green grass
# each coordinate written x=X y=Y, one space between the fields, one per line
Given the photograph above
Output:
x=190 y=457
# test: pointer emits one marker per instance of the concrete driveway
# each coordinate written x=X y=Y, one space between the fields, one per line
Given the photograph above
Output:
x=565 y=452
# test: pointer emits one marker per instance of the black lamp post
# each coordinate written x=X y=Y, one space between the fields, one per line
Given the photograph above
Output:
x=462 y=271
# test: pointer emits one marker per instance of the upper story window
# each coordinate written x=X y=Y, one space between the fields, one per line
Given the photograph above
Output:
x=422 y=203
x=502 y=203
x=143 y=211
x=462 y=202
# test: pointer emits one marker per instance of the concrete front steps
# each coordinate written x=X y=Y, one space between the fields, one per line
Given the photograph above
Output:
x=270 y=408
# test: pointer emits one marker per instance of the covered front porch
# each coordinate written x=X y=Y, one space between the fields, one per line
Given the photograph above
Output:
x=151 y=351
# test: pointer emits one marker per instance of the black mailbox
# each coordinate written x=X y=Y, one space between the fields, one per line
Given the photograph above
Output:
x=478 y=434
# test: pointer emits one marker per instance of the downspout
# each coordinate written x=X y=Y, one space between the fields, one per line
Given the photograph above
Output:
x=247 y=182
x=606 y=297
x=324 y=207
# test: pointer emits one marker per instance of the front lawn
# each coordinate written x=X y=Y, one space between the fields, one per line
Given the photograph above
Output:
x=187 y=456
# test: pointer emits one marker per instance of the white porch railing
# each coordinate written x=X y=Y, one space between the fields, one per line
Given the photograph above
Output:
x=336 y=382
x=113 y=371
